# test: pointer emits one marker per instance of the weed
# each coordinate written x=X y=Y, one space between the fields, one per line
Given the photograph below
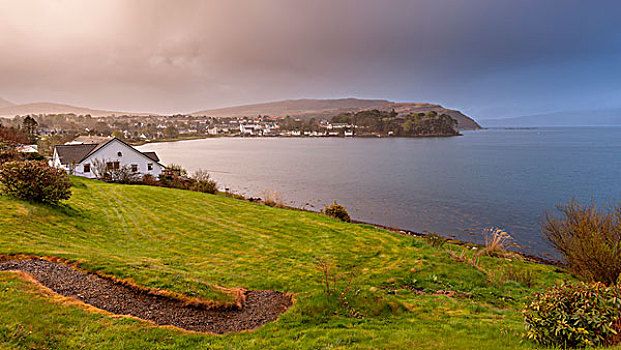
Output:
x=435 y=240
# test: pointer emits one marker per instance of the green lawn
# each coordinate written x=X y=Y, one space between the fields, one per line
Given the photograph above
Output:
x=198 y=245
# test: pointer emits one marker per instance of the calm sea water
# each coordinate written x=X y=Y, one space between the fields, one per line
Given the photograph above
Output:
x=455 y=186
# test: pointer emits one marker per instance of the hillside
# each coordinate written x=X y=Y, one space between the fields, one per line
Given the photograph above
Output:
x=308 y=108
x=54 y=108
x=4 y=103
x=392 y=291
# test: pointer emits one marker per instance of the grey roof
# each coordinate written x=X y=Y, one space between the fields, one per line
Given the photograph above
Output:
x=69 y=154
x=75 y=153
x=152 y=155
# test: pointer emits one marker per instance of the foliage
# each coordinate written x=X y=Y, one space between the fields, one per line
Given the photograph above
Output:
x=435 y=240
x=589 y=239
x=123 y=174
x=371 y=122
x=202 y=182
x=13 y=134
x=34 y=181
x=178 y=169
x=337 y=211
x=8 y=152
x=29 y=126
x=574 y=315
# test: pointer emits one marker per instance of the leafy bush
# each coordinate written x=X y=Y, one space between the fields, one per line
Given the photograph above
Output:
x=34 y=181
x=337 y=211
x=589 y=239
x=123 y=175
x=575 y=315
x=203 y=182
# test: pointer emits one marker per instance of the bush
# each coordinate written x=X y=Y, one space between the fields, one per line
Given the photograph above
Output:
x=34 y=181
x=575 y=315
x=435 y=240
x=337 y=211
x=273 y=199
x=588 y=239
x=202 y=182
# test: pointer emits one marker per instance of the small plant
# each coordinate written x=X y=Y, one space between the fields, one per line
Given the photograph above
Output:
x=337 y=211
x=524 y=276
x=203 y=182
x=177 y=169
x=273 y=199
x=497 y=241
x=34 y=181
x=517 y=274
x=575 y=315
x=435 y=240
x=338 y=288
x=589 y=239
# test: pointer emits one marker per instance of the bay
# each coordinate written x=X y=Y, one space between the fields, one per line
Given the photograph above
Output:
x=455 y=186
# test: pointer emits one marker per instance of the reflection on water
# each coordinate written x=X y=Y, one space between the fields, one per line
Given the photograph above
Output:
x=455 y=186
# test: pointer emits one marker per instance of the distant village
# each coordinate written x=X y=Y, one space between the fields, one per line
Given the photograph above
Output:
x=54 y=129
x=169 y=127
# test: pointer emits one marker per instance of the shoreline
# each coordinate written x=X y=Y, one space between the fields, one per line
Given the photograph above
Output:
x=401 y=231
x=204 y=137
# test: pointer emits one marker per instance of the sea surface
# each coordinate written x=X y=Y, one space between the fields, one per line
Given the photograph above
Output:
x=456 y=186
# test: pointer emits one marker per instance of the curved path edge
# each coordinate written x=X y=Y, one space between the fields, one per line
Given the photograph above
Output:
x=260 y=307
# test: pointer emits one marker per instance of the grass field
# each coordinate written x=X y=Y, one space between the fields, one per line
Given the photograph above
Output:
x=199 y=245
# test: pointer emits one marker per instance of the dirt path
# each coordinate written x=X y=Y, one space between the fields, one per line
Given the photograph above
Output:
x=260 y=306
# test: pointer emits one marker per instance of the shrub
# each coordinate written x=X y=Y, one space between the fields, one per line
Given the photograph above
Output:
x=589 y=239
x=575 y=315
x=34 y=181
x=149 y=180
x=337 y=211
x=435 y=240
x=203 y=182
x=123 y=175
x=273 y=199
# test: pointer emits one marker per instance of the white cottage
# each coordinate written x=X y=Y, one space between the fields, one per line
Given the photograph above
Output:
x=79 y=156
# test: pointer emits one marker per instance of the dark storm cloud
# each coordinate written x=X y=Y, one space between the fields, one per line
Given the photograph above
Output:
x=490 y=58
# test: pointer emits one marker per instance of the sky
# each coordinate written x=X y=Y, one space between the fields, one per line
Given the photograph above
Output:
x=487 y=58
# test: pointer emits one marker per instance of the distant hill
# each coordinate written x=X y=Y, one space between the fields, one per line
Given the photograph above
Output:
x=317 y=108
x=4 y=103
x=572 y=118
x=8 y=109
x=304 y=108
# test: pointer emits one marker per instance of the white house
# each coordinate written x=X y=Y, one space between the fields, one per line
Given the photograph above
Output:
x=80 y=156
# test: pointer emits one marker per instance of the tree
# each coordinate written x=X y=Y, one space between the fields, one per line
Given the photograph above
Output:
x=30 y=127
x=118 y=134
x=171 y=132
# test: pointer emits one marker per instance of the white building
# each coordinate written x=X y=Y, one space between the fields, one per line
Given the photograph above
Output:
x=79 y=158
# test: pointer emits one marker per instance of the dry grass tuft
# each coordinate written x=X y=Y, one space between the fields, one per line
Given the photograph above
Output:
x=273 y=199
x=497 y=243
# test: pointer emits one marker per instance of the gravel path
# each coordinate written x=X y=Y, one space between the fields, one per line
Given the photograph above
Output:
x=260 y=307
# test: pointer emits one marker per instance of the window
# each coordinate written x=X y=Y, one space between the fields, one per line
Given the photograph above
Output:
x=134 y=168
x=119 y=154
x=116 y=165
x=150 y=166
x=87 y=168
x=109 y=165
